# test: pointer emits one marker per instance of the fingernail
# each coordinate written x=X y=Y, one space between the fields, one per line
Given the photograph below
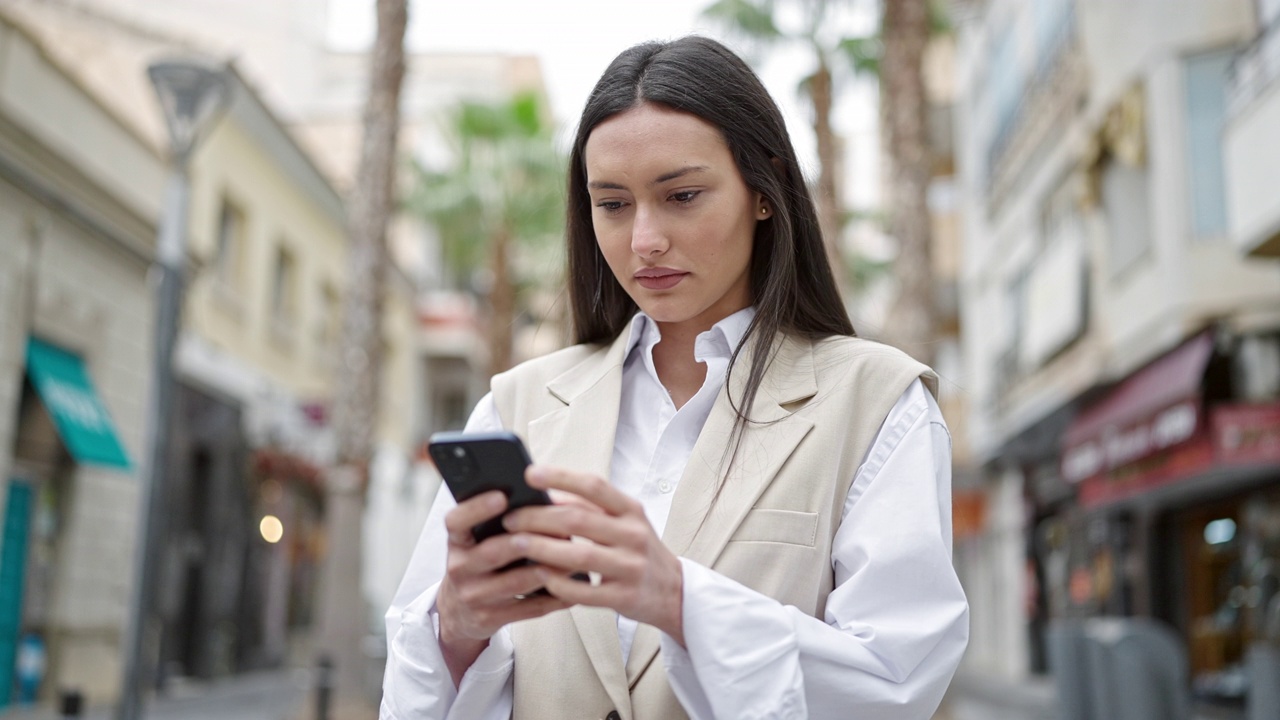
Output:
x=520 y=542
x=497 y=500
x=536 y=474
x=543 y=575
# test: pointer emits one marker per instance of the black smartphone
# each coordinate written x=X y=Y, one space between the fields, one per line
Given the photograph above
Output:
x=472 y=463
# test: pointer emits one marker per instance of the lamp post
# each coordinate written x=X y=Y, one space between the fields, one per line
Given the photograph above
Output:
x=192 y=93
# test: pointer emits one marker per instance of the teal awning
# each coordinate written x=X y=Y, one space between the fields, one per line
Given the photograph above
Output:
x=82 y=420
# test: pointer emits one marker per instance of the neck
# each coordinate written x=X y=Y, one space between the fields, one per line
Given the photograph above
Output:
x=673 y=358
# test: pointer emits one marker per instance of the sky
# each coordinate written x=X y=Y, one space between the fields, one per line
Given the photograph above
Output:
x=576 y=39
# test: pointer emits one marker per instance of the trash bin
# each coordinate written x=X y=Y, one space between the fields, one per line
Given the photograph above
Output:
x=1118 y=669
x=1263 y=700
x=1067 y=662
x=1137 y=670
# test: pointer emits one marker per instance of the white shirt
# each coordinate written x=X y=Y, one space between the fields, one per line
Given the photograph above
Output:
x=895 y=625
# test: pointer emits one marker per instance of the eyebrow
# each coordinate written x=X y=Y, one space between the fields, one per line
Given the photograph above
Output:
x=665 y=177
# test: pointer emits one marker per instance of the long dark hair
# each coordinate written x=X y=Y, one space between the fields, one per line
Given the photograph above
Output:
x=792 y=287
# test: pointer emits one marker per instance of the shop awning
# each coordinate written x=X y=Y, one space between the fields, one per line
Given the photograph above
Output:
x=1155 y=408
x=82 y=420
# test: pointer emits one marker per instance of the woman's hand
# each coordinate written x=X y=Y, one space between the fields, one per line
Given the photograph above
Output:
x=640 y=577
x=475 y=600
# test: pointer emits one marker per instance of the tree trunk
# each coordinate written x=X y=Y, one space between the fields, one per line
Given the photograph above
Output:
x=910 y=323
x=502 y=303
x=829 y=208
x=343 y=621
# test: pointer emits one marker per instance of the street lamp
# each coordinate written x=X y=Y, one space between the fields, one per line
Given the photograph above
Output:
x=192 y=93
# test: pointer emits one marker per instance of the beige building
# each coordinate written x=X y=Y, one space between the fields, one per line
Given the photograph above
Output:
x=255 y=360
x=1120 y=350
x=283 y=49
x=79 y=194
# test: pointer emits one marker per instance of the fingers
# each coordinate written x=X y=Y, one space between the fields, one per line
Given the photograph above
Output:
x=571 y=557
x=471 y=512
x=568 y=520
x=489 y=556
x=589 y=487
x=476 y=608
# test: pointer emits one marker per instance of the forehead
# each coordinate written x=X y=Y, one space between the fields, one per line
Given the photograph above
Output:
x=652 y=135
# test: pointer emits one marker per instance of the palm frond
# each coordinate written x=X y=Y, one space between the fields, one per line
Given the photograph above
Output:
x=750 y=18
x=863 y=54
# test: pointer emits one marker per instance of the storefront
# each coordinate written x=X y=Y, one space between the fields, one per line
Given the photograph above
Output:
x=1177 y=472
x=62 y=422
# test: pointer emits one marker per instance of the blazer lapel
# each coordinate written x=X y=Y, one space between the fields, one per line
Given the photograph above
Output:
x=580 y=437
x=767 y=442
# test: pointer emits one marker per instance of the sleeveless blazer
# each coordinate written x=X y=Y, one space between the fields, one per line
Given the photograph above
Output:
x=770 y=527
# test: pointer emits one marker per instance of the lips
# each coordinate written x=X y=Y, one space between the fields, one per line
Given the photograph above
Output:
x=659 y=278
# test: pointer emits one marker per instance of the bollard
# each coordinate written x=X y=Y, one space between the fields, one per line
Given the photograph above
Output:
x=324 y=687
x=70 y=704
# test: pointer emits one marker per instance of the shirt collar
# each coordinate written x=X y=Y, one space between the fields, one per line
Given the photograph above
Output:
x=718 y=342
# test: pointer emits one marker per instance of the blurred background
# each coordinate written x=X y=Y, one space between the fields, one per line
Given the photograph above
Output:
x=253 y=253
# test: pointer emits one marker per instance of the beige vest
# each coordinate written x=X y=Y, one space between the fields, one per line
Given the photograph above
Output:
x=771 y=528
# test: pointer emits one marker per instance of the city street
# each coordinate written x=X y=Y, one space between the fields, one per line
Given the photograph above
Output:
x=277 y=695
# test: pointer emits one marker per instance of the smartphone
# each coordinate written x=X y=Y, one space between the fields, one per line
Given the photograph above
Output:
x=472 y=463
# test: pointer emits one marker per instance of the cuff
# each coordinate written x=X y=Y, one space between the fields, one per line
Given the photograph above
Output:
x=750 y=674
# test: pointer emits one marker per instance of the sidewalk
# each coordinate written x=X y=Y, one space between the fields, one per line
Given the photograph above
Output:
x=979 y=697
x=974 y=697
x=275 y=695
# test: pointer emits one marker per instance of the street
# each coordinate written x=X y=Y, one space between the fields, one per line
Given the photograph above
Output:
x=277 y=695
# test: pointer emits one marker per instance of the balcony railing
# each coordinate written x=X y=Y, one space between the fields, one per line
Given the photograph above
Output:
x=1254 y=70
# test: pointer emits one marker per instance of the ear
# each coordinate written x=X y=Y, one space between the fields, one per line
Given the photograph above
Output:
x=763 y=209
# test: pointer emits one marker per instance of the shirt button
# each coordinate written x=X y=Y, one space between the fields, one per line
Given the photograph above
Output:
x=664 y=486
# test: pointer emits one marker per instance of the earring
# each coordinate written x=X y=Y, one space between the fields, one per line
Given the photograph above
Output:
x=764 y=211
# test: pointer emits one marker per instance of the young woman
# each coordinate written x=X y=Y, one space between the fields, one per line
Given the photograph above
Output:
x=763 y=497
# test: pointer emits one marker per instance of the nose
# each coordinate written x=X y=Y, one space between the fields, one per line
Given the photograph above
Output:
x=647 y=236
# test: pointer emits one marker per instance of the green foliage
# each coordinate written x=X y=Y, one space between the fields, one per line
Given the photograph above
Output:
x=506 y=179
x=751 y=18
x=863 y=54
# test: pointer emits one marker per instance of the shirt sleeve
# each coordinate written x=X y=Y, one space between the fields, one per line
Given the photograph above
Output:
x=417 y=684
x=896 y=624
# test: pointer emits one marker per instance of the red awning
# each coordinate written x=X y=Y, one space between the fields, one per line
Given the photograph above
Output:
x=1153 y=409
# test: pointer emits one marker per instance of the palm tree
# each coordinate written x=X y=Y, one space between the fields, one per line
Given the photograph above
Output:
x=505 y=186
x=755 y=20
x=907 y=26
x=358 y=382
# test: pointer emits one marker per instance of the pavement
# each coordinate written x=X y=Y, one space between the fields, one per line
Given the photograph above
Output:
x=978 y=697
x=274 y=695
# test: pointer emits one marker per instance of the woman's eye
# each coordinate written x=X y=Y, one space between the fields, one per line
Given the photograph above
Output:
x=610 y=205
x=684 y=196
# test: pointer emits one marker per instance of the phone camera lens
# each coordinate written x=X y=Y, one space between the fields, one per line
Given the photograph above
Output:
x=459 y=452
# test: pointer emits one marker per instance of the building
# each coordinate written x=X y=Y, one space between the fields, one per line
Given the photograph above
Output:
x=1120 y=329
x=283 y=48
x=79 y=198
x=255 y=359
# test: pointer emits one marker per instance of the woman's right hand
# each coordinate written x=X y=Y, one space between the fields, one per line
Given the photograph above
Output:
x=475 y=600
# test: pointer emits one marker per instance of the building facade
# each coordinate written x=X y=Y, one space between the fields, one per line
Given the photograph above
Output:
x=1119 y=346
x=256 y=358
x=79 y=194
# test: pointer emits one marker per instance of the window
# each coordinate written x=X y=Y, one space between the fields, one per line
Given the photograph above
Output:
x=328 y=325
x=1054 y=24
x=1056 y=288
x=1004 y=83
x=1206 y=98
x=284 y=282
x=1125 y=191
x=229 y=248
x=1268 y=13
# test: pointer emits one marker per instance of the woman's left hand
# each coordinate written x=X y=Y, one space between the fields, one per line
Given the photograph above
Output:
x=639 y=577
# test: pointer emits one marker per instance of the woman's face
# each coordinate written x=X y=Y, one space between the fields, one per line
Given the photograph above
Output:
x=672 y=215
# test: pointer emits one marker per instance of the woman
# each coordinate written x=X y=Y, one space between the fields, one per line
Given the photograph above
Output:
x=774 y=537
